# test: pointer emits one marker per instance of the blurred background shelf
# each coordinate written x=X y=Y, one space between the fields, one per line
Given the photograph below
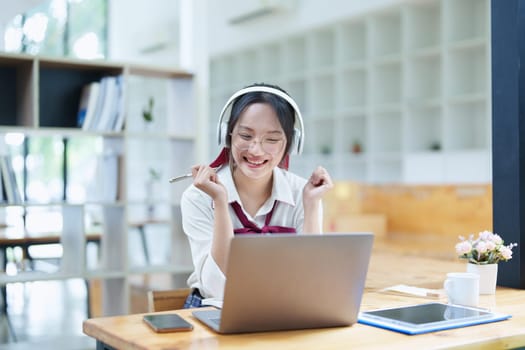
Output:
x=81 y=182
x=410 y=78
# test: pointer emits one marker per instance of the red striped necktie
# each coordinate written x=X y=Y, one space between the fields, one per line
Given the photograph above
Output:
x=250 y=227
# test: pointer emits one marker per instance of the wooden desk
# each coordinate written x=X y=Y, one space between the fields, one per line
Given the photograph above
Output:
x=386 y=268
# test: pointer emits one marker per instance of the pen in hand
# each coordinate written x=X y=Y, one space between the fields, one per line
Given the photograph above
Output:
x=180 y=177
x=185 y=176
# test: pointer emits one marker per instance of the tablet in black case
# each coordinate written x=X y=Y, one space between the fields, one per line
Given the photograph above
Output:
x=430 y=317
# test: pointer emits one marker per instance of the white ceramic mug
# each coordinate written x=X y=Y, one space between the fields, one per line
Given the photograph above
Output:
x=462 y=288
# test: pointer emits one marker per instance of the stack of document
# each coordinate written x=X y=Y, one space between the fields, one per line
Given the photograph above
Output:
x=402 y=289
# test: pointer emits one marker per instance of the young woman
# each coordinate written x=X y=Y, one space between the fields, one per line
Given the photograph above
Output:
x=248 y=189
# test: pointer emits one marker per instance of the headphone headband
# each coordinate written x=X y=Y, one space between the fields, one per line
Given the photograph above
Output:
x=221 y=130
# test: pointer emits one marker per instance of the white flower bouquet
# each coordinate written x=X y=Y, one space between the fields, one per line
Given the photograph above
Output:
x=487 y=248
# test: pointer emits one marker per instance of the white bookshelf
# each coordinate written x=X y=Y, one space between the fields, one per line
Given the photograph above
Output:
x=411 y=83
x=45 y=102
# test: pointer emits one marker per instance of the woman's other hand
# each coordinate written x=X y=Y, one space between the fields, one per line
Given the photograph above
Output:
x=318 y=184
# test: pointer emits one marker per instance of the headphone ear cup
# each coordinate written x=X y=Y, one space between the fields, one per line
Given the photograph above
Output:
x=222 y=136
x=296 y=144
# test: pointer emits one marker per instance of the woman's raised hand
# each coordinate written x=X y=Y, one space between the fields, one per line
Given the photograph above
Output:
x=205 y=179
x=318 y=184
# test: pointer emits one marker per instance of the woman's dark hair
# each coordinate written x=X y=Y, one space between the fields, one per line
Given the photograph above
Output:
x=285 y=112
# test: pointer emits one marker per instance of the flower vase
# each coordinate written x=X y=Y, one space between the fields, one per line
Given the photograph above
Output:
x=488 y=276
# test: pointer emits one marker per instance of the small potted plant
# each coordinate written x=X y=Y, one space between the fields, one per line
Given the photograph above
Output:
x=147 y=112
x=435 y=146
x=356 y=147
x=483 y=253
x=326 y=149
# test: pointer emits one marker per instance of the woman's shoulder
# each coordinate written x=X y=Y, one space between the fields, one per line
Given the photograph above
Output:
x=193 y=194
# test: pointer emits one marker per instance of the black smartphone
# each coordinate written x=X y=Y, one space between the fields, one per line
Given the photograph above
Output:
x=165 y=323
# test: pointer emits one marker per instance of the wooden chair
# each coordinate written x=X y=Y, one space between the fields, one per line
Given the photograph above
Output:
x=165 y=300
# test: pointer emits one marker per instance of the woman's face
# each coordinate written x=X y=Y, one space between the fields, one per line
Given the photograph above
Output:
x=258 y=141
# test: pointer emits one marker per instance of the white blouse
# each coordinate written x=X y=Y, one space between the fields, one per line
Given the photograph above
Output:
x=198 y=221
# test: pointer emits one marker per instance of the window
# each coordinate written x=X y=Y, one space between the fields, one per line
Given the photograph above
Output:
x=74 y=28
x=47 y=170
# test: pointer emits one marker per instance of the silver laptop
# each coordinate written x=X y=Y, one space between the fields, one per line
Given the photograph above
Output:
x=283 y=281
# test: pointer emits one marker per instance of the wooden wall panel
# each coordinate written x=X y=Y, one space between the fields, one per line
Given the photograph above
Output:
x=440 y=210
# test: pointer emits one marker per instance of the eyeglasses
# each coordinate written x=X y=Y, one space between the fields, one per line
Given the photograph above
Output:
x=269 y=144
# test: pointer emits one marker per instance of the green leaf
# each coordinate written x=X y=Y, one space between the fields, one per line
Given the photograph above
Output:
x=147 y=112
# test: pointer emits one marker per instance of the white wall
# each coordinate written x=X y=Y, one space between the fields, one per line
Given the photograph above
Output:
x=144 y=31
x=224 y=37
x=136 y=25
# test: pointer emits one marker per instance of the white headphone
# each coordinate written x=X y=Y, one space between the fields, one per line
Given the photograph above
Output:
x=222 y=127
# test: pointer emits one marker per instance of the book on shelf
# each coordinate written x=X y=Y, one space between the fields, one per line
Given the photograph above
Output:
x=101 y=105
x=88 y=103
x=3 y=196
x=108 y=102
x=118 y=125
x=10 y=186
